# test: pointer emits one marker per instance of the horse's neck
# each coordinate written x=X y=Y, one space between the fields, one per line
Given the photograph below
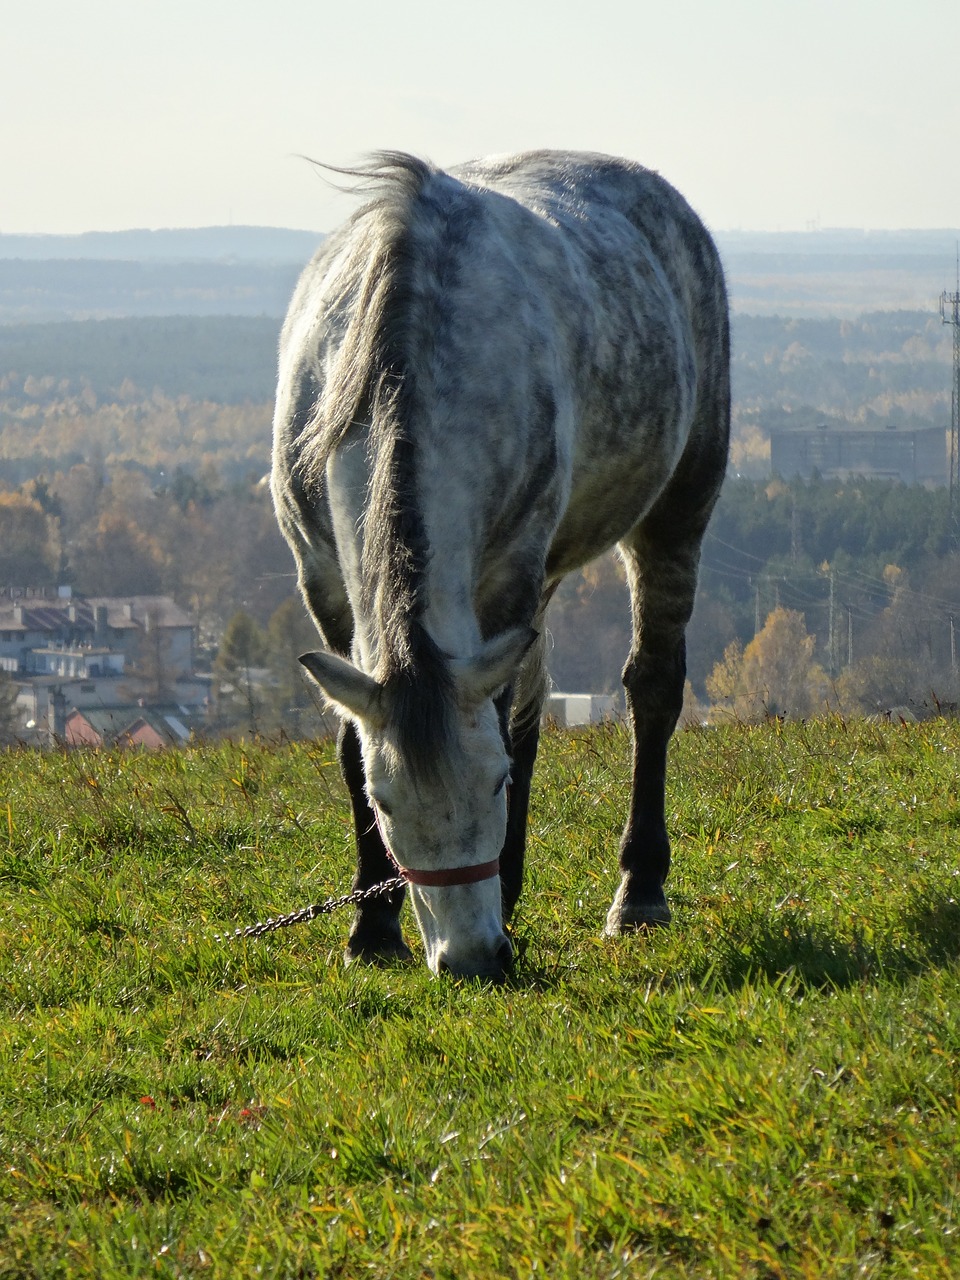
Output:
x=447 y=590
x=450 y=619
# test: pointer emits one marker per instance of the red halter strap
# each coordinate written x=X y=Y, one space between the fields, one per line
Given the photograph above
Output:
x=452 y=875
x=445 y=876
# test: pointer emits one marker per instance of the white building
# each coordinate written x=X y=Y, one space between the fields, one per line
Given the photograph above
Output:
x=569 y=709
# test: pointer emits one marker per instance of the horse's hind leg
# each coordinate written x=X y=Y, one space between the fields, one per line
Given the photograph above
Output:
x=661 y=569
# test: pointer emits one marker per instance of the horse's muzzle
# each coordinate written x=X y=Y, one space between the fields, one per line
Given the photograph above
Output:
x=493 y=968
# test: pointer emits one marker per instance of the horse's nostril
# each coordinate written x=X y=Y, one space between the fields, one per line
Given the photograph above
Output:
x=493 y=967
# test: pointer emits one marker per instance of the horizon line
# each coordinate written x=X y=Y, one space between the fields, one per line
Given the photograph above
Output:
x=811 y=231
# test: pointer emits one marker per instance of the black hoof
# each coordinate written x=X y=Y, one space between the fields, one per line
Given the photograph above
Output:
x=380 y=957
x=376 y=942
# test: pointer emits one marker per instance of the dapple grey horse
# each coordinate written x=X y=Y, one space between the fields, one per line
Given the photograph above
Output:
x=488 y=377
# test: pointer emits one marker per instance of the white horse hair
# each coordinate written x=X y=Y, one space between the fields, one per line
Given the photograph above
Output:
x=487 y=378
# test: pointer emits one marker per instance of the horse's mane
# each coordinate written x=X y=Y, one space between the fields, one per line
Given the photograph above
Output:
x=369 y=282
x=374 y=386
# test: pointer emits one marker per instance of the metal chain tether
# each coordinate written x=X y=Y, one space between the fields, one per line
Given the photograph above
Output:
x=306 y=914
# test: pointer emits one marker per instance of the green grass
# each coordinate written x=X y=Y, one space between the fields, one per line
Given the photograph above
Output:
x=771 y=1088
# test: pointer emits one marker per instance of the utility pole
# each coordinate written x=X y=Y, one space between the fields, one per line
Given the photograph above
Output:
x=950 y=314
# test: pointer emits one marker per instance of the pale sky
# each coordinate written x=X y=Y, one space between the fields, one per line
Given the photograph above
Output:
x=767 y=114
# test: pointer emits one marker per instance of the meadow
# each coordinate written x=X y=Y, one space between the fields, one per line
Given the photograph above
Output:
x=770 y=1088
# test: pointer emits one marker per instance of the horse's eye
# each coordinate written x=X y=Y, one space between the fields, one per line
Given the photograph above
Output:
x=382 y=806
x=504 y=782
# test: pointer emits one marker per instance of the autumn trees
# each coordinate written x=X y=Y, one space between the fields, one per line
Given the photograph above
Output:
x=857 y=585
x=29 y=541
x=775 y=675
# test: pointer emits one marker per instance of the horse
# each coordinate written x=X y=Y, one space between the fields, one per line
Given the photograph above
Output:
x=488 y=377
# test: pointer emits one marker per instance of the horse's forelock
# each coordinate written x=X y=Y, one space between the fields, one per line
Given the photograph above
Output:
x=420 y=696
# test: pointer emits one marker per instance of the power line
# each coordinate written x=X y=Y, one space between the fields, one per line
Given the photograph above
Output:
x=853 y=579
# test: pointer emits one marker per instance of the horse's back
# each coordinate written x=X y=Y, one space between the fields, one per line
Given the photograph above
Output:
x=638 y=315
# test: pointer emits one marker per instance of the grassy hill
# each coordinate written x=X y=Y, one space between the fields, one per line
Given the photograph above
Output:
x=768 y=1089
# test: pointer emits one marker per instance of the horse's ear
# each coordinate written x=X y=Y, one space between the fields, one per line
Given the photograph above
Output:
x=493 y=667
x=347 y=687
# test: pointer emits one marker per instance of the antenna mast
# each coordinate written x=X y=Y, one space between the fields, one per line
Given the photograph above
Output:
x=950 y=314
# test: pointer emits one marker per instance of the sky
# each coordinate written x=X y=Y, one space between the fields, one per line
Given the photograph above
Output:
x=767 y=114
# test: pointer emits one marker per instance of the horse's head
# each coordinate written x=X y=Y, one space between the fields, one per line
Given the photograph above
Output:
x=437 y=772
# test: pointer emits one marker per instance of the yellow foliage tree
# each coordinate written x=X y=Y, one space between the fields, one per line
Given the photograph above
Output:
x=120 y=560
x=774 y=675
x=28 y=545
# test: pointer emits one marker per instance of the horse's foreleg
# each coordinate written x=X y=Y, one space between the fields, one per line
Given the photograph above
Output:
x=375 y=935
x=521 y=733
x=512 y=856
x=662 y=585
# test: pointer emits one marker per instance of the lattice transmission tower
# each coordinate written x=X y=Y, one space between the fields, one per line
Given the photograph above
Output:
x=950 y=314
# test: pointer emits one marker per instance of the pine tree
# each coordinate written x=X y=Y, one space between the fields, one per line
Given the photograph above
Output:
x=242 y=647
x=8 y=710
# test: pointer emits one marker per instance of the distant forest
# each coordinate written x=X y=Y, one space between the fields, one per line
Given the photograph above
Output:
x=233 y=271
x=58 y=381
x=250 y=271
x=227 y=359
x=76 y=290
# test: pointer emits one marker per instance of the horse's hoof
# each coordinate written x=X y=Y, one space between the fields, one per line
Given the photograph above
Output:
x=636 y=917
x=387 y=953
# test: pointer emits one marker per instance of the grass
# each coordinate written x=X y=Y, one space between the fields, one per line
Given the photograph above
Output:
x=767 y=1089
